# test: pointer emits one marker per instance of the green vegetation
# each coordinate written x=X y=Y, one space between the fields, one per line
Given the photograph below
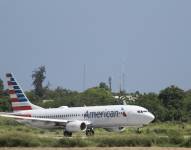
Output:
x=170 y=104
x=1 y=86
x=171 y=107
x=13 y=134
x=38 y=78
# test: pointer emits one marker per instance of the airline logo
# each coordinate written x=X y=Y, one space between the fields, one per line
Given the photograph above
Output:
x=100 y=114
x=18 y=99
x=104 y=114
x=123 y=112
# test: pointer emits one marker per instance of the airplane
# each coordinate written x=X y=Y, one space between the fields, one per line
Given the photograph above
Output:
x=74 y=119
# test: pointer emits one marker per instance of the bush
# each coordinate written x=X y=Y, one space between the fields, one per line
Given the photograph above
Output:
x=175 y=137
x=72 y=142
x=186 y=143
x=23 y=136
x=15 y=139
x=42 y=132
x=134 y=140
x=161 y=141
x=160 y=131
x=8 y=122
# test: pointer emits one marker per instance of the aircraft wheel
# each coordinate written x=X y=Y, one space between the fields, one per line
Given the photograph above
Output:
x=67 y=134
x=92 y=132
x=139 y=131
x=89 y=132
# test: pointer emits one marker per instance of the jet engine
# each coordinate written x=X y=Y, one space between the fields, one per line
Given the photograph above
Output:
x=115 y=129
x=75 y=126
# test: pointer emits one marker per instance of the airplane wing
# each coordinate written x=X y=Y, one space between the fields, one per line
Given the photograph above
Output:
x=34 y=119
x=58 y=122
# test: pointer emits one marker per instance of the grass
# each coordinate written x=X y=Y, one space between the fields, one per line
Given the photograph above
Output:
x=100 y=148
x=13 y=134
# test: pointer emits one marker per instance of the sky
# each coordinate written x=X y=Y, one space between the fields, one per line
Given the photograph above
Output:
x=147 y=42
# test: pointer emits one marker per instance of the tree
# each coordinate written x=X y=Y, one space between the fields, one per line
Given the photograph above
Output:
x=187 y=106
x=172 y=98
x=1 y=87
x=96 y=96
x=38 y=77
x=153 y=104
x=104 y=86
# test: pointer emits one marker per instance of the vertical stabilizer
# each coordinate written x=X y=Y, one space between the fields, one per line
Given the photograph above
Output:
x=19 y=101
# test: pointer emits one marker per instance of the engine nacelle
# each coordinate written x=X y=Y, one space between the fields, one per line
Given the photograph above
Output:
x=115 y=129
x=75 y=126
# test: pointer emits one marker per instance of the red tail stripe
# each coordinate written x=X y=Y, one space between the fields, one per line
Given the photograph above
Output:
x=22 y=108
x=9 y=83
x=14 y=100
x=11 y=92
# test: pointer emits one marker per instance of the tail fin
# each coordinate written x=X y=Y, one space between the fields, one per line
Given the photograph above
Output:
x=18 y=99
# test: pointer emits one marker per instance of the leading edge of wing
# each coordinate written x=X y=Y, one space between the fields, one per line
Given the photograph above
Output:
x=34 y=119
x=40 y=119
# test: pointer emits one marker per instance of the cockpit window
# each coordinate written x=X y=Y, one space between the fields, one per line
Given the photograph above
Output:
x=142 y=111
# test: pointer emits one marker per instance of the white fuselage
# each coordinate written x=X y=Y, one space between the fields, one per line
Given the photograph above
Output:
x=98 y=116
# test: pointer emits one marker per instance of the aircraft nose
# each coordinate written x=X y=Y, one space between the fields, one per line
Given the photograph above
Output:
x=150 y=117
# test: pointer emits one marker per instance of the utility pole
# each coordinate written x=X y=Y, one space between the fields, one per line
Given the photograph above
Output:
x=123 y=82
x=84 y=77
x=110 y=82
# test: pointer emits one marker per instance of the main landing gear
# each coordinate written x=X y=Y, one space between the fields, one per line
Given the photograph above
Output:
x=67 y=134
x=90 y=132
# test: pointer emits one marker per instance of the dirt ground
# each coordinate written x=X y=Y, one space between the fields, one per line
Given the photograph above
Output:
x=101 y=148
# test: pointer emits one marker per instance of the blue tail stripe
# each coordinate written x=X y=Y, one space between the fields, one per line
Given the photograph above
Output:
x=8 y=75
x=22 y=99
x=20 y=95
x=12 y=79
x=18 y=91
x=16 y=87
